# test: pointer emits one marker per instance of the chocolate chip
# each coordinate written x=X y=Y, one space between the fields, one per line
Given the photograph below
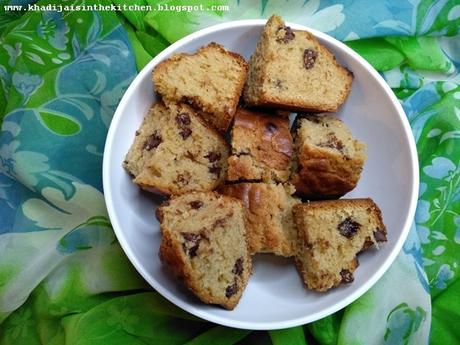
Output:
x=192 y=243
x=137 y=133
x=380 y=235
x=279 y=84
x=183 y=119
x=191 y=237
x=190 y=155
x=212 y=156
x=333 y=142
x=181 y=180
x=192 y=250
x=288 y=35
x=187 y=100
x=215 y=170
x=348 y=227
x=238 y=268
x=336 y=143
x=152 y=141
x=196 y=204
x=185 y=133
x=309 y=58
x=271 y=127
x=347 y=276
x=219 y=222
x=367 y=244
x=231 y=290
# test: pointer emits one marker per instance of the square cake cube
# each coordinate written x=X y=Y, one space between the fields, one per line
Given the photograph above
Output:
x=290 y=69
x=330 y=235
x=270 y=225
x=204 y=244
x=328 y=160
x=210 y=80
x=261 y=147
x=176 y=152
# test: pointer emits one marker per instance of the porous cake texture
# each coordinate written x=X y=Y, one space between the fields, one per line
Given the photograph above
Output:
x=210 y=80
x=328 y=160
x=270 y=225
x=204 y=243
x=290 y=69
x=176 y=152
x=330 y=235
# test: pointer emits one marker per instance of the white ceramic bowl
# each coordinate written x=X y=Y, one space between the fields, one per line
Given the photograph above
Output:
x=275 y=297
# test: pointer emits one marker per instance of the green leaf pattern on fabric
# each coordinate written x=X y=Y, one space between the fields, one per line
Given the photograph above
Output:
x=402 y=322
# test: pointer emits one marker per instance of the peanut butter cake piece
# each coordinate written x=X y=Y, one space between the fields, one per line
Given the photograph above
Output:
x=210 y=80
x=176 y=152
x=291 y=70
x=261 y=148
x=204 y=243
x=330 y=235
x=328 y=160
x=270 y=225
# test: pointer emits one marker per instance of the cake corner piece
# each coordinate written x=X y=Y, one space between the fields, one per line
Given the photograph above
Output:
x=175 y=152
x=330 y=236
x=329 y=160
x=261 y=147
x=210 y=80
x=204 y=244
x=290 y=69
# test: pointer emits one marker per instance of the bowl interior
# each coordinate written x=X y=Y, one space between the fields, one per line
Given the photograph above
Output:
x=275 y=296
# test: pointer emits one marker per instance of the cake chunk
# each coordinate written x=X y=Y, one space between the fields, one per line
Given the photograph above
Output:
x=261 y=148
x=291 y=70
x=331 y=233
x=270 y=225
x=175 y=152
x=328 y=160
x=204 y=244
x=211 y=81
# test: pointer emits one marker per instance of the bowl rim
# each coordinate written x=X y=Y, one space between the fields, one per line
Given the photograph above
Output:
x=251 y=23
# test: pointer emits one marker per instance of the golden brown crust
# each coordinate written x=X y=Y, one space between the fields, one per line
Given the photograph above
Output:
x=241 y=60
x=270 y=225
x=267 y=87
x=261 y=147
x=326 y=169
x=330 y=235
x=204 y=243
x=175 y=163
x=300 y=105
x=219 y=112
x=319 y=176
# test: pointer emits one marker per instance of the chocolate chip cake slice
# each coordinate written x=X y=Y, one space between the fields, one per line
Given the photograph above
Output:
x=204 y=243
x=330 y=235
x=210 y=80
x=328 y=160
x=270 y=225
x=261 y=147
x=175 y=152
x=291 y=70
